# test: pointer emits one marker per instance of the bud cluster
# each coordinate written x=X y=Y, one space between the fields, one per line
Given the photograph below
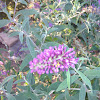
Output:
x=53 y=60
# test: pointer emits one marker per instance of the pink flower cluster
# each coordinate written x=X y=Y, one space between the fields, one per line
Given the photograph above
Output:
x=53 y=60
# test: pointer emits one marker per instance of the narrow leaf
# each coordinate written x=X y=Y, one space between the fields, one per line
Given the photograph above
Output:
x=10 y=96
x=22 y=1
x=7 y=79
x=85 y=79
x=19 y=81
x=52 y=30
x=92 y=73
x=82 y=93
x=92 y=96
x=63 y=85
x=53 y=86
x=21 y=37
x=8 y=14
x=48 y=44
x=25 y=61
x=15 y=33
x=82 y=58
x=68 y=79
x=4 y=22
x=60 y=97
x=25 y=22
x=30 y=78
x=30 y=46
x=9 y=86
x=67 y=94
x=26 y=12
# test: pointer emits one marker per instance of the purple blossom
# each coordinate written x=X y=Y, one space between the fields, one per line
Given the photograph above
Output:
x=36 y=5
x=46 y=11
x=93 y=5
x=2 y=5
x=53 y=60
x=50 y=24
x=51 y=10
x=1 y=63
x=58 y=9
x=3 y=72
x=99 y=2
x=59 y=1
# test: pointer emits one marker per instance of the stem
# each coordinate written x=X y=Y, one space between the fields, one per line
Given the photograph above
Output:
x=15 y=9
x=24 y=32
x=35 y=45
x=31 y=87
x=79 y=89
x=28 y=84
x=44 y=37
x=74 y=88
x=1 y=97
x=46 y=97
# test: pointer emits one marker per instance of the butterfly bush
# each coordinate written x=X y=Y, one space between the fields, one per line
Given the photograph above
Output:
x=53 y=60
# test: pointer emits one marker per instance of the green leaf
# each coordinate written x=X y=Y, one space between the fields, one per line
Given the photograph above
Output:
x=8 y=14
x=30 y=78
x=41 y=91
x=9 y=86
x=61 y=27
x=22 y=1
x=25 y=62
x=1 y=49
x=63 y=85
x=30 y=45
x=53 y=29
x=15 y=33
x=45 y=21
x=68 y=79
x=75 y=97
x=21 y=37
x=68 y=6
x=96 y=85
x=21 y=96
x=92 y=96
x=60 y=97
x=37 y=36
x=26 y=96
x=23 y=88
x=94 y=47
x=19 y=81
x=48 y=44
x=82 y=93
x=7 y=79
x=4 y=22
x=51 y=6
x=82 y=58
x=33 y=96
x=67 y=94
x=53 y=86
x=8 y=65
x=10 y=96
x=25 y=22
x=25 y=25
x=85 y=79
x=23 y=49
x=26 y=12
x=92 y=73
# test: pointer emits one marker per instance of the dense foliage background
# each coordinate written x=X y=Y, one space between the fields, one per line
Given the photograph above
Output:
x=40 y=24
